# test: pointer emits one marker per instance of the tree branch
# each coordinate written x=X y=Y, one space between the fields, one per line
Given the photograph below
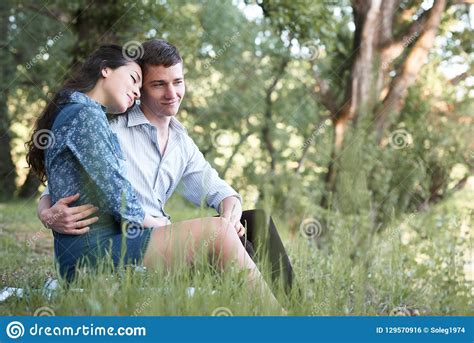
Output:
x=461 y=77
x=236 y=150
x=309 y=141
x=394 y=48
x=410 y=68
x=268 y=112
x=323 y=94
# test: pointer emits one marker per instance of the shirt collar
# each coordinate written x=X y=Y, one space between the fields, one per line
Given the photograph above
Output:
x=68 y=96
x=136 y=117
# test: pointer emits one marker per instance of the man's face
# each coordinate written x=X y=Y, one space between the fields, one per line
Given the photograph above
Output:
x=163 y=89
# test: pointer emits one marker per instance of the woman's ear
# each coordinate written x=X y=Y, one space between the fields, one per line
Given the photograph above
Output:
x=105 y=72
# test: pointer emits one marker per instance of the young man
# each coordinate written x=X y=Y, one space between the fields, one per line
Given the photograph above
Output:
x=159 y=155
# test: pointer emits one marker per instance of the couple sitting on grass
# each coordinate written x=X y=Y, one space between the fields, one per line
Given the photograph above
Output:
x=108 y=182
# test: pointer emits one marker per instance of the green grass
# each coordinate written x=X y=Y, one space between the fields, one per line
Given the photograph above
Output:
x=419 y=261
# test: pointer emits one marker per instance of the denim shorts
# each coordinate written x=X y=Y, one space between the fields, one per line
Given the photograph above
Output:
x=104 y=240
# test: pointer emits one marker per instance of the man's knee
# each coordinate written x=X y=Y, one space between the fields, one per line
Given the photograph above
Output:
x=221 y=226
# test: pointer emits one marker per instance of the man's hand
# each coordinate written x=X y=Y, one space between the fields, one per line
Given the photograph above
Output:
x=231 y=209
x=64 y=219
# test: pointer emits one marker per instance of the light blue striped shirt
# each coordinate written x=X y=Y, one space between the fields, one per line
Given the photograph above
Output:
x=155 y=177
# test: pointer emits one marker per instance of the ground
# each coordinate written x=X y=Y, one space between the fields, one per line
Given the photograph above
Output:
x=420 y=263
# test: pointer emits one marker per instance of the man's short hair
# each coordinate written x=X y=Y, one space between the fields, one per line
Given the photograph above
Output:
x=158 y=52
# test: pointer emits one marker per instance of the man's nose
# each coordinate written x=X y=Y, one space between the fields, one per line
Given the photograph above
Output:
x=170 y=92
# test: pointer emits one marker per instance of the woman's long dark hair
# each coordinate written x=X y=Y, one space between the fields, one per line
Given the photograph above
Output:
x=83 y=80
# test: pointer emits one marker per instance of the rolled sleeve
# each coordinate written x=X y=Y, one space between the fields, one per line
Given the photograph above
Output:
x=45 y=192
x=201 y=182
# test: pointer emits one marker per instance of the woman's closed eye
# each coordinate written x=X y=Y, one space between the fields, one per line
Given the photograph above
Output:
x=134 y=80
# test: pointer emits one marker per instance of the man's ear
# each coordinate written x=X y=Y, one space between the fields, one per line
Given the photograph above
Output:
x=105 y=72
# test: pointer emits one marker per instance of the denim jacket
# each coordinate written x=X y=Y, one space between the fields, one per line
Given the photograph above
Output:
x=84 y=156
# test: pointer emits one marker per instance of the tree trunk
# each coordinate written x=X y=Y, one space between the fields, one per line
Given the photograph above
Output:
x=358 y=97
x=30 y=187
x=7 y=168
x=92 y=26
x=374 y=49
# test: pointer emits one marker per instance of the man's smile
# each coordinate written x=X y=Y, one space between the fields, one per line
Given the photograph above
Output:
x=168 y=103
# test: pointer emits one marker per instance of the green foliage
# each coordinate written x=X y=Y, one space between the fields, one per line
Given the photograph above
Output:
x=361 y=263
x=430 y=156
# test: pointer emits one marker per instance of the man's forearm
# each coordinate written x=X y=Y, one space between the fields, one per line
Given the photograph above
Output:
x=231 y=208
x=43 y=205
x=228 y=204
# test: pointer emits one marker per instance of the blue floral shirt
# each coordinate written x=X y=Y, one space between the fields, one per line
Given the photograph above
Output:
x=85 y=156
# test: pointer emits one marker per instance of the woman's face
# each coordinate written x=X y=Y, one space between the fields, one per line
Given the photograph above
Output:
x=122 y=87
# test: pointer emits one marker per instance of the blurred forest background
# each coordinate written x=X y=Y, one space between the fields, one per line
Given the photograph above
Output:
x=329 y=113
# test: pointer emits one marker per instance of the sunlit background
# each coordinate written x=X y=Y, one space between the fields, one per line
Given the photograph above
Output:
x=340 y=119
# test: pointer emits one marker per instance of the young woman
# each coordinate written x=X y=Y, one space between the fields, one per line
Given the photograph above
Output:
x=86 y=158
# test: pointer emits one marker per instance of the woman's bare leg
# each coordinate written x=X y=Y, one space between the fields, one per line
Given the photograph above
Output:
x=211 y=234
